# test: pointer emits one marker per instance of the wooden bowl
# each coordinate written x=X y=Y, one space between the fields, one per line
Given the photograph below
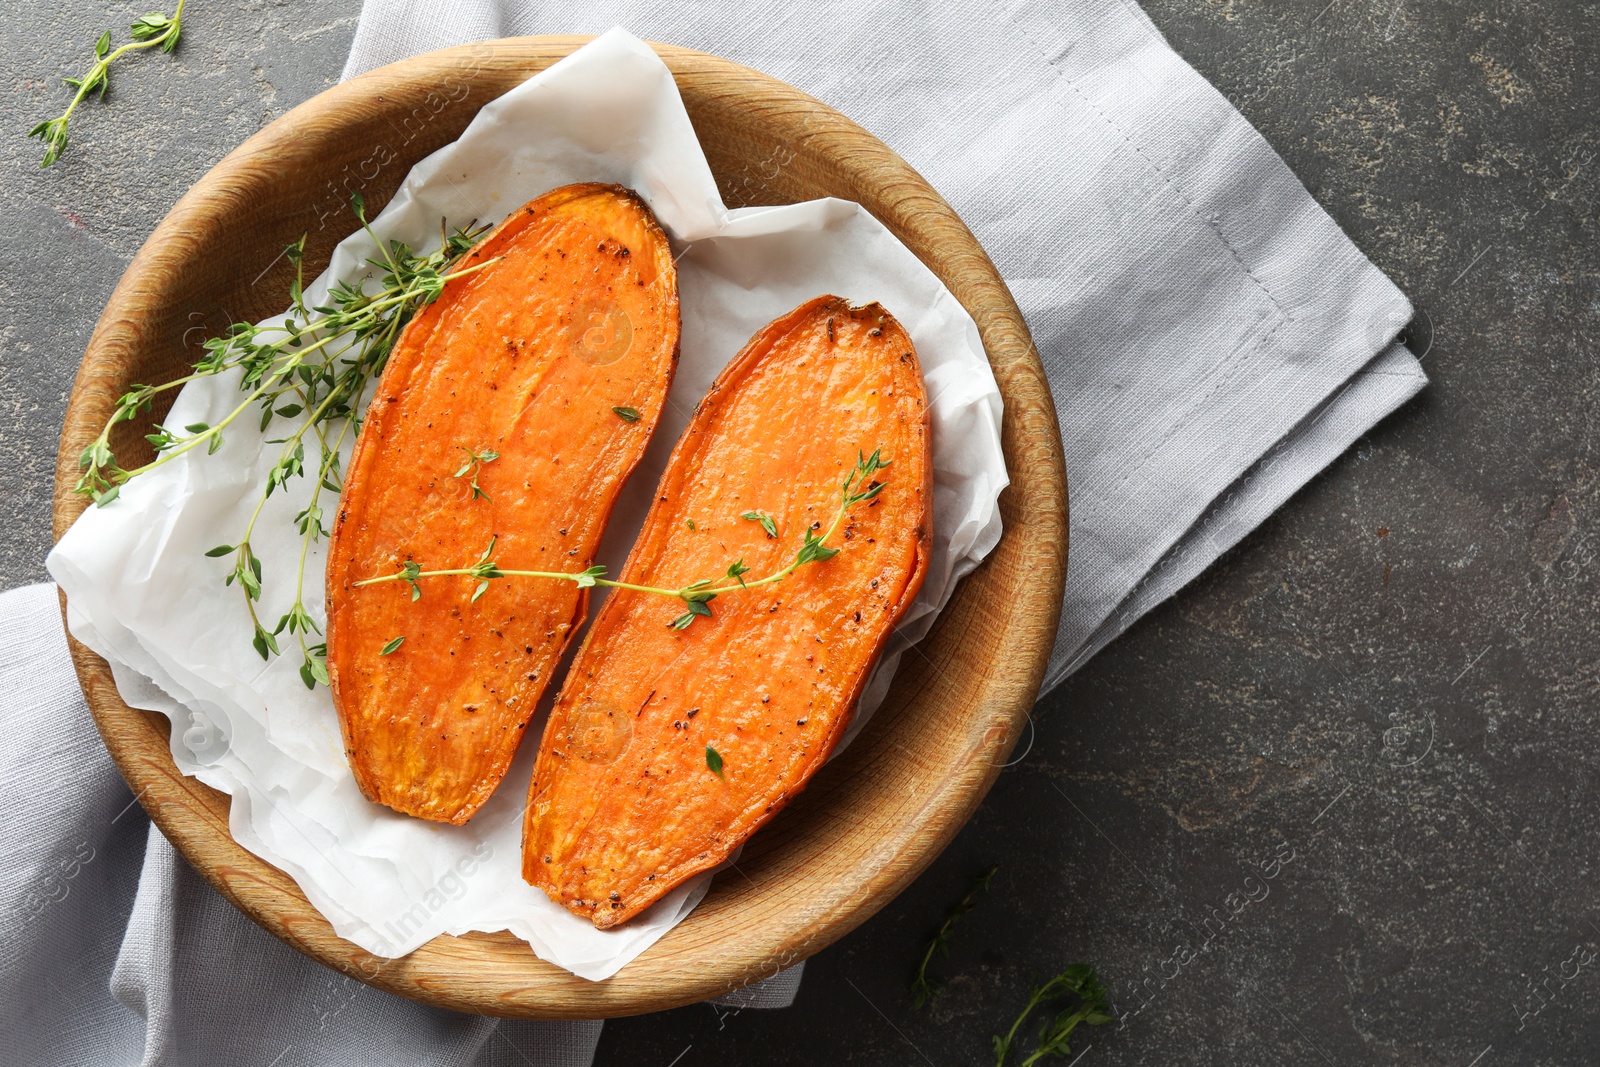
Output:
x=873 y=818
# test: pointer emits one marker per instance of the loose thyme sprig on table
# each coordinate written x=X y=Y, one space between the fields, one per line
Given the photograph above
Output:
x=859 y=485
x=1079 y=979
x=315 y=367
x=922 y=988
x=148 y=31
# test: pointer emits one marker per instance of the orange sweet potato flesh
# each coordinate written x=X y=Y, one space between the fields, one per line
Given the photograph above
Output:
x=624 y=806
x=526 y=358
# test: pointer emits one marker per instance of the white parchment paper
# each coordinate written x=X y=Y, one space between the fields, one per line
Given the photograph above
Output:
x=141 y=593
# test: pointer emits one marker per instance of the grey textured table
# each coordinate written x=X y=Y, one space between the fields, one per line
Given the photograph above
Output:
x=1387 y=695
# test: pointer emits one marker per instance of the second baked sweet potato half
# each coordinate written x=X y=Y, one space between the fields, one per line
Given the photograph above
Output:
x=679 y=732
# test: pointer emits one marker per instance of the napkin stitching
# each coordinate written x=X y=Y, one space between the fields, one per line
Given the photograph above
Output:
x=1218 y=379
x=1220 y=375
x=1154 y=166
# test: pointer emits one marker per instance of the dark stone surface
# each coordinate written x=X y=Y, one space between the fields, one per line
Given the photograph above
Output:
x=1392 y=684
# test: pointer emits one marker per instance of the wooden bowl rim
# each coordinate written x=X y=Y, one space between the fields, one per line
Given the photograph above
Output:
x=679 y=969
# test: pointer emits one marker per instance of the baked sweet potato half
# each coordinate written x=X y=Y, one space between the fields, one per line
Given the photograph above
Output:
x=669 y=747
x=510 y=412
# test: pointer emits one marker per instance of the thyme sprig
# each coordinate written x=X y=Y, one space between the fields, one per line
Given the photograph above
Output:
x=314 y=367
x=859 y=486
x=148 y=31
x=922 y=988
x=1080 y=980
x=367 y=323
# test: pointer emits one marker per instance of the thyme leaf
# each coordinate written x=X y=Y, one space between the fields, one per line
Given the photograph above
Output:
x=314 y=666
x=765 y=520
x=474 y=463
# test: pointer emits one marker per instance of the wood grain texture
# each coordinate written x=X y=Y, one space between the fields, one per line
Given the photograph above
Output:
x=872 y=819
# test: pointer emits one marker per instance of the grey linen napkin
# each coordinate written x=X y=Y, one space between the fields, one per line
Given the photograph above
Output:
x=115 y=952
x=1212 y=341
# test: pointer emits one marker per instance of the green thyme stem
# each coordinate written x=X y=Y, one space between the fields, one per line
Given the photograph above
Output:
x=317 y=363
x=578 y=576
x=566 y=576
x=178 y=383
x=312 y=669
x=297 y=620
x=212 y=432
x=149 y=31
x=313 y=523
x=369 y=317
x=312 y=420
x=696 y=595
x=922 y=989
x=570 y=576
x=1079 y=980
x=284 y=363
x=1003 y=1045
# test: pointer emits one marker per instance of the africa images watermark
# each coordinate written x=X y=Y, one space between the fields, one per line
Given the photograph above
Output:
x=354 y=178
x=448 y=888
x=1540 y=995
x=451 y=886
x=1216 y=920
